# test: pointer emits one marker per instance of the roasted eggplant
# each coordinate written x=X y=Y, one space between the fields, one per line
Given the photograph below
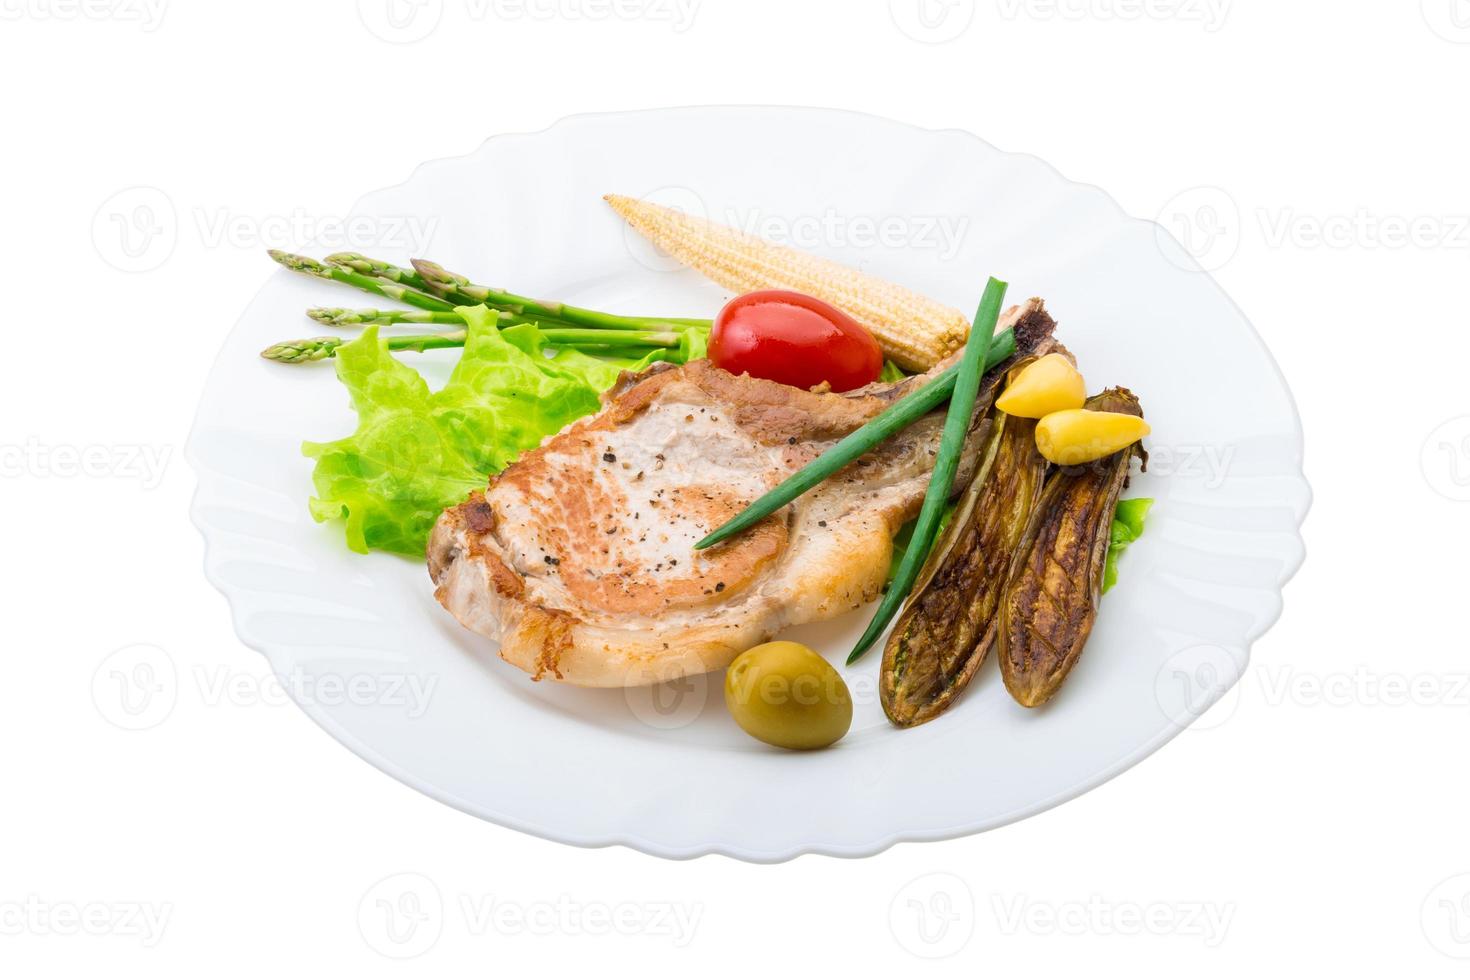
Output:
x=1056 y=573
x=949 y=624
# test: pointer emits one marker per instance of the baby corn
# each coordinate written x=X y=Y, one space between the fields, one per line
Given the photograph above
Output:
x=915 y=332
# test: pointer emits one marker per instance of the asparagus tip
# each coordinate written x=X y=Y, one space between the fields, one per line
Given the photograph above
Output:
x=436 y=276
x=298 y=263
x=298 y=351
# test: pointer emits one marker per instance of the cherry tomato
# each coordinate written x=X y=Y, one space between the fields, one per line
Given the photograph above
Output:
x=794 y=339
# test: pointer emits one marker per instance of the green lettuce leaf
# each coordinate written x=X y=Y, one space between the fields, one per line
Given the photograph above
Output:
x=416 y=452
x=905 y=537
x=1127 y=528
x=891 y=372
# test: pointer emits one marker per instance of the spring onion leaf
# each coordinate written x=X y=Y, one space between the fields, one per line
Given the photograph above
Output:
x=972 y=368
x=877 y=430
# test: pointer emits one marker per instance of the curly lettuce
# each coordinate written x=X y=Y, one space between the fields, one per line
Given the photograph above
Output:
x=416 y=451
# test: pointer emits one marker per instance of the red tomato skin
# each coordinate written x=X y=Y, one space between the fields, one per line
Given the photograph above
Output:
x=795 y=339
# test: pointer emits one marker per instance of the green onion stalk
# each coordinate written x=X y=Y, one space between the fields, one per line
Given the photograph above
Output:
x=892 y=420
x=951 y=446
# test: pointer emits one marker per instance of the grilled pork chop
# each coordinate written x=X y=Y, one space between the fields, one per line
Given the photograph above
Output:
x=579 y=558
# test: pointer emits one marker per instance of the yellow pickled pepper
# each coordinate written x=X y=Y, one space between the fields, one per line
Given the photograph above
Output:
x=1048 y=384
x=1079 y=435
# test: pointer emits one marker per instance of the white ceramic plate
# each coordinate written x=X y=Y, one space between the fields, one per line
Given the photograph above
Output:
x=380 y=666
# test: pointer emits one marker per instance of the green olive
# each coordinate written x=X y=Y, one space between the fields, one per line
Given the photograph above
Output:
x=786 y=695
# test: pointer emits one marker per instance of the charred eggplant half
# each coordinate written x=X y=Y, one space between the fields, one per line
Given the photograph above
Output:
x=1056 y=574
x=949 y=624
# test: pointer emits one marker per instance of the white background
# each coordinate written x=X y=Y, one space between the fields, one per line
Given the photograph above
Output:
x=1313 y=820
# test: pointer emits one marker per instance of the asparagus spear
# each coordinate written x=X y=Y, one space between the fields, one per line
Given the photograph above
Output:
x=411 y=278
x=442 y=295
x=376 y=268
x=333 y=316
x=451 y=286
x=610 y=342
x=336 y=316
x=448 y=286
x=319 y=348
x=382 y=287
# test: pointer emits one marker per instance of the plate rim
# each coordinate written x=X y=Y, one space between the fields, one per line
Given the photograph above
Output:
x=324 y=719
